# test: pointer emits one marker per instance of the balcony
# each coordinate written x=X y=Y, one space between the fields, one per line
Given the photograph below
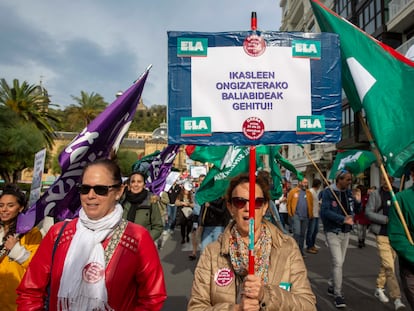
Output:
x=403 y=48
x=401 y=15
x=396 y=6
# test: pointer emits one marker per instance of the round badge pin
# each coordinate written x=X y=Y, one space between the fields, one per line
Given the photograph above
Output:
x=253 y=128
x=223 y=277
x=93 y=272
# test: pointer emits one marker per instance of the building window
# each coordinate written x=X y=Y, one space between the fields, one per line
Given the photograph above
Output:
x=370 y=16
x=348 y=120
x=344 y=8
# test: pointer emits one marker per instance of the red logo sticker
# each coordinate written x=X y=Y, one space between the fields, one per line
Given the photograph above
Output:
x=254 y=45
x=223 y=277
x=253 y=128
x=93 y=272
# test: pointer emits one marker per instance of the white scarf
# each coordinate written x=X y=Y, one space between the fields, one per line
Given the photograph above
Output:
x=75 y=293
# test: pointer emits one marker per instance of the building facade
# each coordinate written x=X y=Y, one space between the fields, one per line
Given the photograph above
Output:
x=391 y=22
x=142 y=143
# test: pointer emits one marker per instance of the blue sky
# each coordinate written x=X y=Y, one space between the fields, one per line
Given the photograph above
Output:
x=102 y=46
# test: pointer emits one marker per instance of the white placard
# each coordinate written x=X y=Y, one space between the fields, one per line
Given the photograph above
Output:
x=273 y=87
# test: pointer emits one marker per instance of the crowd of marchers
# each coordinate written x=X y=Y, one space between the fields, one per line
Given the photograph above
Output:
x=107 y=257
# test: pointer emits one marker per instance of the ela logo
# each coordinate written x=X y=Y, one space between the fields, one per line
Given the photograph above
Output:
x=310 y=125
x=197 y=126
x=306 y=48
x=187 y=47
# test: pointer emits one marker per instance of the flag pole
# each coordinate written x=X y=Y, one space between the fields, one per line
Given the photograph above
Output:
x=325 y=180
x=402 y=181
x=252 y=198
x=384 y=173
x=252 y=179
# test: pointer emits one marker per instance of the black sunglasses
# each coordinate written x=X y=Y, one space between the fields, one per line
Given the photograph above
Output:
x=98 y=189
x=241 y=202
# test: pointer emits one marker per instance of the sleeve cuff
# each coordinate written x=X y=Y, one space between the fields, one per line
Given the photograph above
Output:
x=19 y=253
x=262 y=303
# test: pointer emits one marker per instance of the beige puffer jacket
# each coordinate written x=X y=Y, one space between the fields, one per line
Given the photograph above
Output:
x=215 y=286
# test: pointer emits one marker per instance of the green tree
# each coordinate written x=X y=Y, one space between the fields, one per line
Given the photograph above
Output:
x=54 y=161
x=19 y=142
x=150 y=119
x=87 y=108
x=63 y=124
x=125 y=160
x=30 y=103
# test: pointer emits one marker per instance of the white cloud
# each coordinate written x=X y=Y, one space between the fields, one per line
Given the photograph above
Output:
x=102 y=46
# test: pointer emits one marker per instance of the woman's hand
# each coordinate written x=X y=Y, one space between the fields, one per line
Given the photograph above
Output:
x=253 y=293
x=10 y=242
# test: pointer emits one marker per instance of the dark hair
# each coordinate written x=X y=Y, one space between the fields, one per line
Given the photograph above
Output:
x=316 y=183
x=183 y=193
x=244 y=178
x=14 y=190
x=142 y=174
x=363 y=188
x=266 y=176
x=111 y=165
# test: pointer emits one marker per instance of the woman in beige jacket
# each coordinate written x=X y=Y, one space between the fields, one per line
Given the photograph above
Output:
x=221 y=279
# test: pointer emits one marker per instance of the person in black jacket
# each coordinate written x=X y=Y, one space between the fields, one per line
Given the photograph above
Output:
x=337 y=212
x=214 y=217
x=171 y=208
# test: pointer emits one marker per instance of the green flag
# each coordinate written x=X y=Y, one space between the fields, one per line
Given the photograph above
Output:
x=143 y=164
x=210 y=154
x=355 y=161
x=287 y=165
x=378 y=79
x=217 y=180
x=233 y=162
x=276 y=191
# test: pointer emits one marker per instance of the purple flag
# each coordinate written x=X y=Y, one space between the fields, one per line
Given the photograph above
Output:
x=98 y=140
x=160 y=168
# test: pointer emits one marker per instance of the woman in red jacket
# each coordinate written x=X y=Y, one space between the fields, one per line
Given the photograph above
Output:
x=96 y=262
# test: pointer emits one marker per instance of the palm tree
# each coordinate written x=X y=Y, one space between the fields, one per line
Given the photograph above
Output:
x=87 y=108
x=29 y=105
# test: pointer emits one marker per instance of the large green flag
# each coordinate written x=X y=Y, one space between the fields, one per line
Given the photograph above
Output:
x=217 y=179
x=380 y=80
x=233 y=162
x=354 y=161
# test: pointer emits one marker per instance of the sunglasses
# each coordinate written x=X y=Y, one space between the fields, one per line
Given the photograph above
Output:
x=241 y=202
x=98 y=189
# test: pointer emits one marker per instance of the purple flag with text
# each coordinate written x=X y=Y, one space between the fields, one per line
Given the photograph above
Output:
x=379 y=80
x=98 y=140
x=160 y=167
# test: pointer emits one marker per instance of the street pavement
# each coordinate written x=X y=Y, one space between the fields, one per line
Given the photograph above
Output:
x=360 y=272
